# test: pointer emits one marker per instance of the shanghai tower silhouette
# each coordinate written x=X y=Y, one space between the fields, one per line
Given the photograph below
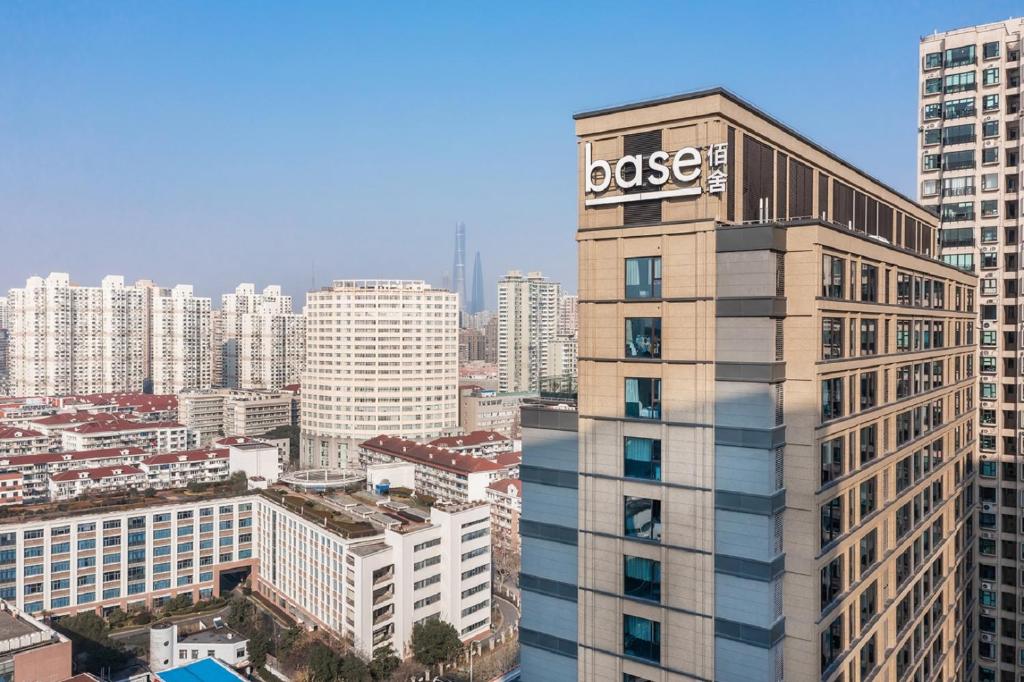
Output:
x=477 y=303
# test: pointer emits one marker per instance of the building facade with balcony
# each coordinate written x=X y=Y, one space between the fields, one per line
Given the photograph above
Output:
x=970 y=176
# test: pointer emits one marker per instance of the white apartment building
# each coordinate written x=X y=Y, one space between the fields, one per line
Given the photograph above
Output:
x=18 y=441
x=178 y=469
x=167 y=649
x=441 y=473
x=11 y=490
x=5 y=318
x=369 y=575
x=528 y=315
x=479 y=443
x=567 y=316
x=506 y=500
x=180 y=340
x=217 y=412
x=263 y=340
x=68 y=485
x=382 y=357
x=37 y=470
x=151 y=436
x=970 y=176
x=216 y=347
x=64 y=562
x=66 y=338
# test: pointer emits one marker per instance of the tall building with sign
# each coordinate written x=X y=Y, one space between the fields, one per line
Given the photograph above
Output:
x=969 y=176
x=382 y=359
x=776 y=414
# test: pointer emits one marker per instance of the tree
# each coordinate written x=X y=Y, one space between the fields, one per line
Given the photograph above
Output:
x=435 y=642
x=90 y=639
x=259 y=646
x=116 y=617
x=143 y=617
x=324 y=664
x=351 y=668
x=384 y=663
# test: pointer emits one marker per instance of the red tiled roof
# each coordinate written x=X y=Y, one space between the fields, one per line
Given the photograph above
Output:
x=507 y=459
x=430 y=455
x=294 y=388
x=503 y=485
x=12 y=432
x=48 y=457
x=73 y=418
x=116 y=425
x=95 y=473
x=470 y=439
x=241 y=440
x=187 y=456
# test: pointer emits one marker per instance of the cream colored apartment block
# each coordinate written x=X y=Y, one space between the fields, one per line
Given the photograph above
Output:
x=66 y=338
x=776 y=409
x=262 y=339
x=180 y=340
x=528 y=320
x=970 y=175
x=382 y=358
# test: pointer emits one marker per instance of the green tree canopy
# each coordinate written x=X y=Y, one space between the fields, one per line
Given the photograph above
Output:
x=435 y=642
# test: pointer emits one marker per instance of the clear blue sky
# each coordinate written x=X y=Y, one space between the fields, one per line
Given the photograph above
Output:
x=212 y=143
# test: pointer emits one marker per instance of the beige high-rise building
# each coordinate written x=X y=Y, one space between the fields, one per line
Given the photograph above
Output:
x=263 y=340
x=528 y=315
x=217 y=348
x=567 y=318
x=776 y=417
x=382 y=359
x=970 y=176
x=5 y=317
x=180 y=340
x=66 y=338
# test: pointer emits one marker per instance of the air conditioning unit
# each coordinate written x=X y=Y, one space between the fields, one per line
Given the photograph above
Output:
x=986 y=586
x=985 y=637
x=988 y=536
x=988 y=507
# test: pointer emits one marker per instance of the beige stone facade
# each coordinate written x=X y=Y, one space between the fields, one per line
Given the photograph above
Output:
x=760 y=499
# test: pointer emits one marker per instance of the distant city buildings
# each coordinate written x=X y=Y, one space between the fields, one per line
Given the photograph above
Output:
x=482 y=409
x=382 y=358
x=262 y=339
x=212 y=413
x=528 y=308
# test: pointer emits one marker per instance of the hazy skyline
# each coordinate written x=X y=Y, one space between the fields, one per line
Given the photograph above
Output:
x=212 y=144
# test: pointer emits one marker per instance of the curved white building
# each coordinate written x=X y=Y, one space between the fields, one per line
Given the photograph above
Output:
x=382 y=358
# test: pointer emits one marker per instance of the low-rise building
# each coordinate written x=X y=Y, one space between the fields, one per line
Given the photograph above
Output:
x=215 y=413
x=168 y=648
x=11 y=488
x=36 y=470
x=478 y=443
x=255 y=457
x=506 y=499
x=68 y=485
x=151 y=436
x=15 y=440
x=440 y=472
x=482 y=409
x=31 y=651
x=178 y=469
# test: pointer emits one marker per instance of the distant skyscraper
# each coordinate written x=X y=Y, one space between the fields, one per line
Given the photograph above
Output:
x=527 y=321
x=477 y=302
x=459 y=265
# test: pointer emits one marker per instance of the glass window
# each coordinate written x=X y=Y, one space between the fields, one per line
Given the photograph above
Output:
x=989 y=208
x=989 y=182
x=868 y=336
x=958 y=160
x=642 y=578
x=868 y=497
x=868 y=390
x=990 y=77
x=831 y=460
x=932 y=111
x=831 y=338
x=868 y=652
x=989 y=155
x=933 y=60
x=643 y=277
x=960 y=134
x=960 y=82
x=932 y=86
x=831 y=521
x=960 y=56
x=990 y=129
x=990 y=102
x=832 y=272
x=643 y=337
x=868 y=550
x=868 y=283
x=643 y=398
x=868 y=435
x=831 y=398
x=643 y=458
x=641 y=638
x=990 y=50
x=831 y=642
x=959 y=108
x=643 y=518
x=932 y=136
x=831 y=581
x=929 y=188
x=931 y=162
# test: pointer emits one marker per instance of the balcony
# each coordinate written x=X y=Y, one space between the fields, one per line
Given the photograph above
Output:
x=382 y=575
x=383 y=594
